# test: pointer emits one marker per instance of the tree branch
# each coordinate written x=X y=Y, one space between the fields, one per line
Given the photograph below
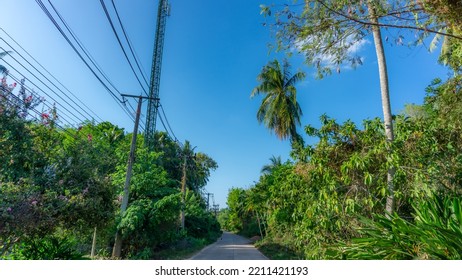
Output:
x=367 y=23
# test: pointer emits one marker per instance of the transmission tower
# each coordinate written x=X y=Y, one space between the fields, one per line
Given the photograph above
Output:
x=153 y=103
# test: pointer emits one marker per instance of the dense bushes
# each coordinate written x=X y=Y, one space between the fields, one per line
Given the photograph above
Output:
x=330 y=202
x=60 y=185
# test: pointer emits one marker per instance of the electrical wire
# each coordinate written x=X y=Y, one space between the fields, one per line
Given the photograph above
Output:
x=63 y=86
x=79 y=110
x=45 y=102
x=163 y=124
x=35 y=85
x=166 y=120
x=121 y=45
x=130 y=45
x=56 y=24
x=140 y=125
x=92 y=60
x=91 y=64
x=36 y=112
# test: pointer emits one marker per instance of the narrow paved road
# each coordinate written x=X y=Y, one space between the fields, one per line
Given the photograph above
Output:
x=230 y=247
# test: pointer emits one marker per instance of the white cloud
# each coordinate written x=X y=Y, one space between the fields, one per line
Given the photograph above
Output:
x=355 y=47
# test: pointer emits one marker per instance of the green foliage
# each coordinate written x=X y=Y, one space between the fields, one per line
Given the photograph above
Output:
x=16 y=145
x=199 y=222
x=328 y=202
x=151 y=221
x=152 y=214
x=435 y=233
x=275 y=162
x=236 y=219
x=53 y=179
x=279 y=110
x=54 y=247
x=329 y=33
x=223 y=218
x=446 y=10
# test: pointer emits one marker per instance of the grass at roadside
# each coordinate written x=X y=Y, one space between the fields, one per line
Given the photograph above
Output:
x=275 y=251
x=183 y=250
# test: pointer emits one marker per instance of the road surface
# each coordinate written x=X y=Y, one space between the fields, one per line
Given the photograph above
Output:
x=230 y=247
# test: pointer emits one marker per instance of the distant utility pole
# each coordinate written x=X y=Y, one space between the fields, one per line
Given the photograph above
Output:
x=216 y=207
x=116 y=250
x=208 y=200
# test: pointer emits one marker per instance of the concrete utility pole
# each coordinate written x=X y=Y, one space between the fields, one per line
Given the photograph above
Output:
x=208 y=201
x=116 y=251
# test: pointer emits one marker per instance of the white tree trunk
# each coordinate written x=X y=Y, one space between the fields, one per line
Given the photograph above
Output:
x=386 y=107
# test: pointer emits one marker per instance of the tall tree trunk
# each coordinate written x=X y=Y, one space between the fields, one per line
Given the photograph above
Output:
x=386 y=107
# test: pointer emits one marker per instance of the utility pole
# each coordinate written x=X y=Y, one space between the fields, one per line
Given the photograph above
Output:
x=116 y=250
x=208 y=201
x=216 y=207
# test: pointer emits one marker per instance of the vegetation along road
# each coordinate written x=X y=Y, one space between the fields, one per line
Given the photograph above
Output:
x=230 y=247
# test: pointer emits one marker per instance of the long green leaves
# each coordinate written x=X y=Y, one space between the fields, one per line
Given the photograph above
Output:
x=435 y=233
x=279 y=110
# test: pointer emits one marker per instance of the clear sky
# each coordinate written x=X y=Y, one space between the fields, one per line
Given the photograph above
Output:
x=214 y=50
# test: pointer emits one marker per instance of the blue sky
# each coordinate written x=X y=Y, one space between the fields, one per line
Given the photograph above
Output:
x=214 y=50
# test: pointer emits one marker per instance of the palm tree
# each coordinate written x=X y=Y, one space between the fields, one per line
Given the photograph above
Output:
x=275 y=162
x=279 y=110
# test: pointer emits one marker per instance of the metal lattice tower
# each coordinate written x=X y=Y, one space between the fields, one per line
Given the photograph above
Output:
x=153 y=103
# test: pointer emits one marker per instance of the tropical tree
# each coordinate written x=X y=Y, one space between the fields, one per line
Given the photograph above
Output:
x=385 y=94
x=188 y=154
x=329 y=32
x=275 y=162
x=279 y=110
x=196 y=168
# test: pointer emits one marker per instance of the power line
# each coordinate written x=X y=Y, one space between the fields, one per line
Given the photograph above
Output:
x=131 y=106
x=72 y=39
x=92 y=60
x=79 y=107
x=35 y=85
x=132 y=50
x=36 y=112
x=82 y=47
x=166 y=120
x=121 y=45
x=63 y=86
x=165 y=127
x=49 y=105
x=56 y=24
